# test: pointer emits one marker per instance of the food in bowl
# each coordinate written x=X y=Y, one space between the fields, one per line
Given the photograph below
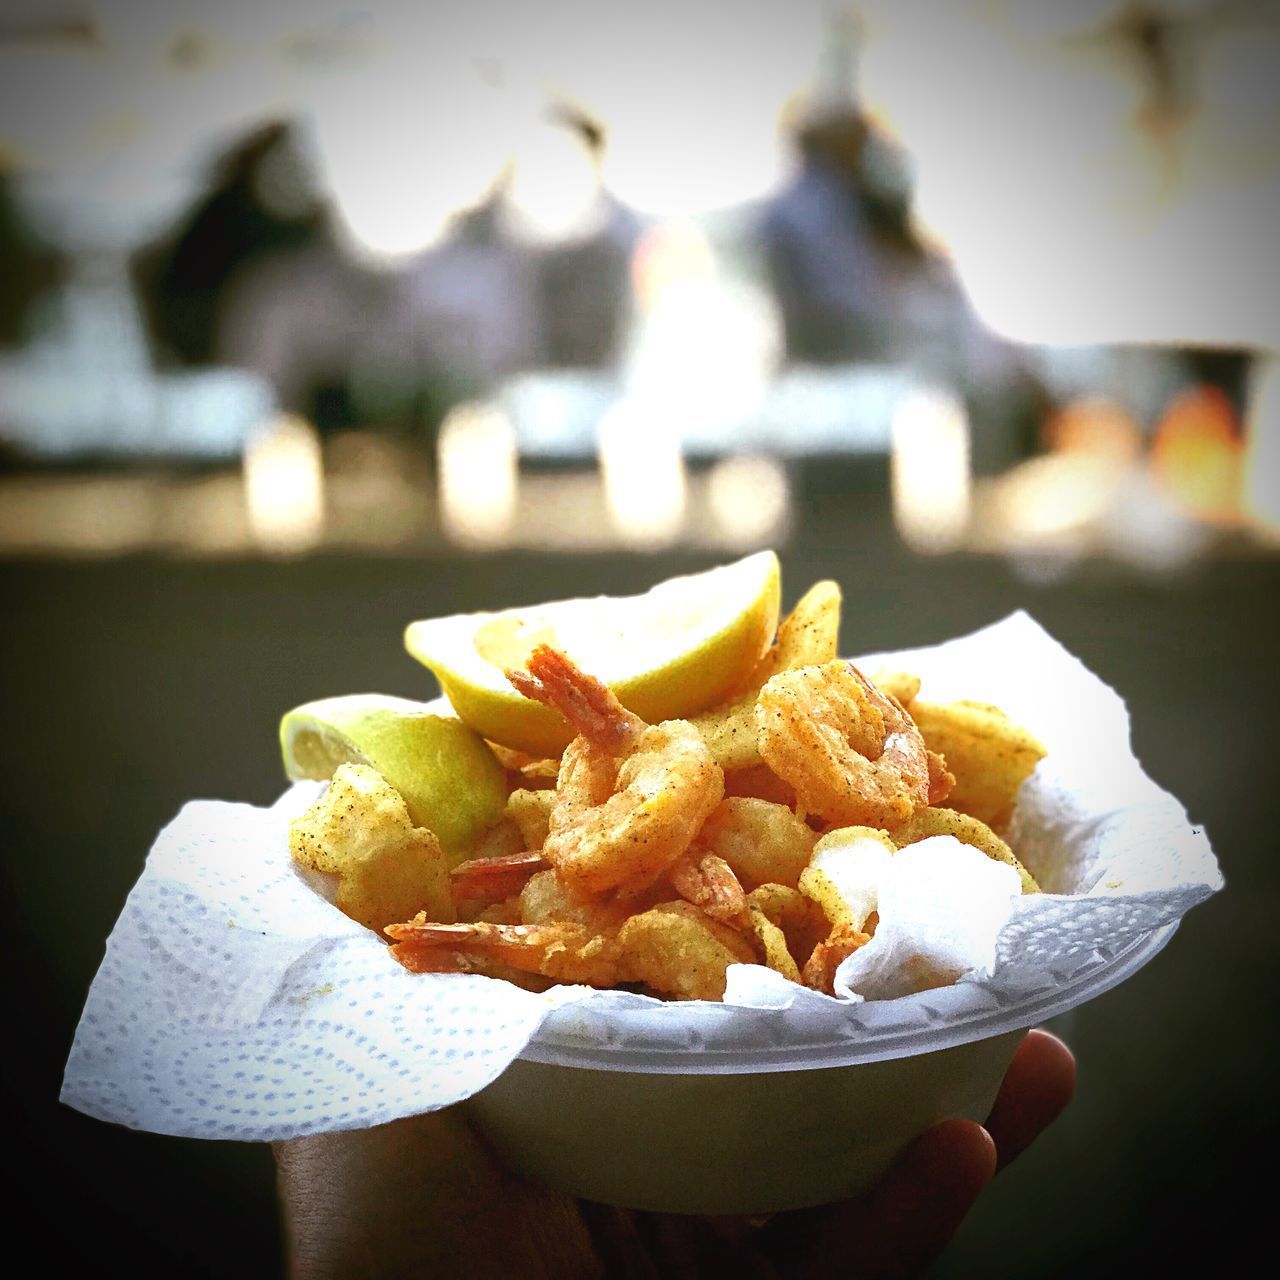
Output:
x=749 y=824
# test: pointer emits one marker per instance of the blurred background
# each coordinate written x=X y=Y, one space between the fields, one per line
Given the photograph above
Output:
x=316 y=318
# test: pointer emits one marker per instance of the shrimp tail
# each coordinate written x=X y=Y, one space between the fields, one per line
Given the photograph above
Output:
x=430 y=934
x=563 y=950
x=586 y=703
x=497 y=877
x=707 y=880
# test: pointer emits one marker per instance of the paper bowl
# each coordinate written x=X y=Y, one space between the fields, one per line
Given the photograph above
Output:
x=737 y=1123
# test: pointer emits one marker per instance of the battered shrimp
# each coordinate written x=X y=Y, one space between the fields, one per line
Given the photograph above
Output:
x=852 y=754
x=672 y=948
x=819 y=970
x=764 y=843
x=531 y=812
x=545 y=898
x=630 y=797
x=561 y=950
x=708 y=881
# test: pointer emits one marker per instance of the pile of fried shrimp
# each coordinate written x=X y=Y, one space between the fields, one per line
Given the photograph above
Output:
x=654 y=856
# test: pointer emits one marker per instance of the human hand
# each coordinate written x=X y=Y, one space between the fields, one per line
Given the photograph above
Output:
x=424 y=1197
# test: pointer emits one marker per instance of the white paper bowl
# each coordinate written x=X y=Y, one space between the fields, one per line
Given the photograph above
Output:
x=728 y=1126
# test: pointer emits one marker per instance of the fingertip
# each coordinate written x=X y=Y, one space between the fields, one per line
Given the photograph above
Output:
x=1041 y=1080
x=960 y=1151
x=907 y=1220
x=922 y=1200
x=947 y=1165
x=1050 y=1051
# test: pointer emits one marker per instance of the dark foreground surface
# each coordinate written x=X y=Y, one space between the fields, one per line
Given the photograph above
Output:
x=131 y=686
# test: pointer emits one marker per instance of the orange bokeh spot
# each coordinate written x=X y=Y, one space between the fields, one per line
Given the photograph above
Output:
x=1197 y=454
x=1095 y=426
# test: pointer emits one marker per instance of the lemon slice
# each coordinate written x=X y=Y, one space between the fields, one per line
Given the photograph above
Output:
x=450 y=780
x=669 y=653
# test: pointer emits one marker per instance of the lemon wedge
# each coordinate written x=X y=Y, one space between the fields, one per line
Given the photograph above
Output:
x=669 y=653
x=451 y=782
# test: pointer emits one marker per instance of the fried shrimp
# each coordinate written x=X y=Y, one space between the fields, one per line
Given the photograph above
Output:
x=708 y=881
x=655 y=856
x=852 y=754
x=545 y=898
x=531 y=812
x=819 y=970
x=672 y=948
x=763 y=843
x=629 y=797
x=676 y=949
x=561 y=950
